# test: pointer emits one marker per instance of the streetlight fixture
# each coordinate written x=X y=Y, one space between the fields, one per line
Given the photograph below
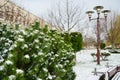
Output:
x=98 y=10
x=105 y=12
x=89 y=14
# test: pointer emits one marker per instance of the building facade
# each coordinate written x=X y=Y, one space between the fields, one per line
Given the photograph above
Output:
x=11 y=13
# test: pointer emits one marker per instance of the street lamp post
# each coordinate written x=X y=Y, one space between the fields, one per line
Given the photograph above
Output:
x=98 y=10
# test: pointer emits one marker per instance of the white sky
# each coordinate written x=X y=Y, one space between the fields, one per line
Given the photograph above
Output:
x=40 y=7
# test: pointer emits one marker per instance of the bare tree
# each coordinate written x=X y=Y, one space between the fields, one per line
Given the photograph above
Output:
x=89 y=33
x=66 y=16
x=113 y=29
x=93 y=28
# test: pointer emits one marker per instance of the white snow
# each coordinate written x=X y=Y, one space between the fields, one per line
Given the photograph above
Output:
x=63 y=70
x=12 y=77
x=17 y=31
x=85 y=65
x=36 y=31
x=10 y=41
x=45 y=69
x=2 y=38
x=25 y=46
x=39 y=79
x=1 y=67
x=46 y=39
x=7 y=44
x=34 y=55
x=8 y=62
x=27 y=56
x=52 y=58
x=36 y=41
x=5 y=51
x=56 y=55
x=36 y=46
x=10 y=55
x=62 y=41
x=20 y=39
x=60 y=65
x=23 y=31
x=49 y=77
x=42 y=33
x=52 y=39
x=12 y=47
x=19 y=71
x=40 y=53
x=46 y=46
x=1 y=60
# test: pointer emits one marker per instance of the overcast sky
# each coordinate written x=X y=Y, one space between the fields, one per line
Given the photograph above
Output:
x=40 y=7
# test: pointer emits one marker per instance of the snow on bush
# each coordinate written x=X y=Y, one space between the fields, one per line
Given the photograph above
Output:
x=39 y=79
x=40 y=53
x=1 y=67
x=45 y=69
x=19 y=71
x=35 y=53
x=20 y=39
x=8 y=62
x=6 y=39
x=1 y=60
x=12 y=77
x=27 y=56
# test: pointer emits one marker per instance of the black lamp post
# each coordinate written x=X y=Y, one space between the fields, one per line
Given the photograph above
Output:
x=98 y=10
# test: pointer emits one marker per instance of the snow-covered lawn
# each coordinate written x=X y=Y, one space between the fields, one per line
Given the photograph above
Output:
x=85 y=65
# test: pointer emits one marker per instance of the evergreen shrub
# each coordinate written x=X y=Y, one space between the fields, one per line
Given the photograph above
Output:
x=102 y=45
x=37 y=54
x=76 y=40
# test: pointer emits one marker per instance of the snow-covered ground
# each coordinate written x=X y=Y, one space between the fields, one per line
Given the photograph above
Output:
x=85 y=65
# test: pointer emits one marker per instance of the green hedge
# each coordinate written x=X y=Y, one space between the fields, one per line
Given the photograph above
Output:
x=102 y=45
x=76 y=40
x=37 y=53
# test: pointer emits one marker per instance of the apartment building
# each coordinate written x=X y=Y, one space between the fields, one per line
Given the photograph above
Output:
x=14 y=14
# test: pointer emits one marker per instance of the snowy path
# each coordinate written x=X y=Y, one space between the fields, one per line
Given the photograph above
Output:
x=85 y=65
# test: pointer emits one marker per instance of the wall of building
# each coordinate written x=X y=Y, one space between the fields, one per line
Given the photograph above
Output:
x=14 y=14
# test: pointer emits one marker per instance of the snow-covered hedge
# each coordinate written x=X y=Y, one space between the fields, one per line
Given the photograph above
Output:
x=38 y=54
x=6 y=39
x=103 y=56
